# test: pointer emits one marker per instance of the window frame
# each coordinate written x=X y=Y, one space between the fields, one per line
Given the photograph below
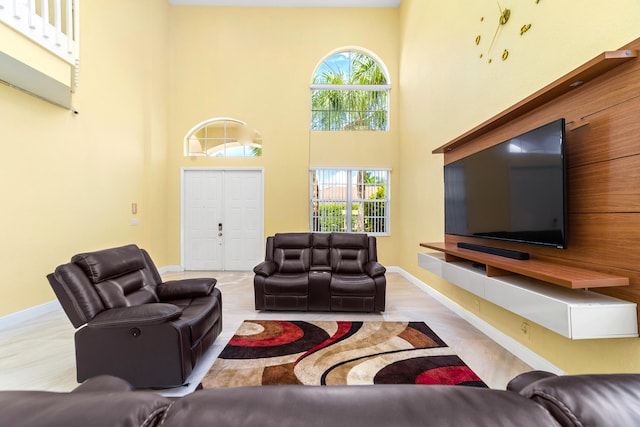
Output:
x=350 y=87
x=203 y=146
x=348 y=198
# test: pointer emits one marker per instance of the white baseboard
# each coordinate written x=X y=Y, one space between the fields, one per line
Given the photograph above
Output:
x=18 y=317
x=170 y=269
x=524 y=353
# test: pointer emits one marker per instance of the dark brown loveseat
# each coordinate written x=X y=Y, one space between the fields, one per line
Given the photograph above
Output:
x=320 y=272
x=131 y=324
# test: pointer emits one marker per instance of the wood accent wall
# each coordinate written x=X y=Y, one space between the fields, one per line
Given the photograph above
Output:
x=603 y=156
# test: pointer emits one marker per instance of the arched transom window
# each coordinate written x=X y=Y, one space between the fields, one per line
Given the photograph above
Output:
x=223 y=137
x=350 y=91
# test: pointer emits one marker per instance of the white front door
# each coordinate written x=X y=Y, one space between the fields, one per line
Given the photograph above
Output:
x=222 y=220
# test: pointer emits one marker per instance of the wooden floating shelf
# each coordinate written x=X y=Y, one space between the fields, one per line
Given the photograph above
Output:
x=557 y=274
x=578 y=77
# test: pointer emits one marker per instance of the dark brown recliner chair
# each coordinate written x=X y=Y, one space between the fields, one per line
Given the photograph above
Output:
x=320 y=272
x=133 y=325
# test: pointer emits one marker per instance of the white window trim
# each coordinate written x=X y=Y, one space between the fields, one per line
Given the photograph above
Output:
x=370 y=88
x=225 y=142
x=387 y=216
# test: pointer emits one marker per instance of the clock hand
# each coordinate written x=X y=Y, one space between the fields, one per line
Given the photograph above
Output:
x=493 y=40
x=505 y=14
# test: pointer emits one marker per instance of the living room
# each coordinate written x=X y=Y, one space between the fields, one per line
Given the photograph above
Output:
x=163 y=68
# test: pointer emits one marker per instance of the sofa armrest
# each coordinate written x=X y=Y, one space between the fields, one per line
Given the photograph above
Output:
x=374 y=269
x=103 y=383
x=595 y=400
x=523 y=380
x=265 y=268
x=186 y=288
x=138 y=315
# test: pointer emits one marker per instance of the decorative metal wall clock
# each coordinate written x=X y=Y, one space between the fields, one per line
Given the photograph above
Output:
x=502 y=19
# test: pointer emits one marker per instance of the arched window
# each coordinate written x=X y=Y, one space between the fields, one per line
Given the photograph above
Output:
x=223 y=137
x=350 y=91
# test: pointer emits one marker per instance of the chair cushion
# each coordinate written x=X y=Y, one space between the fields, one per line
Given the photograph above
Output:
x=127 y=290
x=287 y=284
x=146 y=314
x=321 y=255
x=292 y=261
x=349 y=253
x=292 y=252
x=356 y=285
x=348 y=260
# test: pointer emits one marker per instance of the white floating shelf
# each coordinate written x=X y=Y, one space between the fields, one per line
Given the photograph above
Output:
x=573 y=313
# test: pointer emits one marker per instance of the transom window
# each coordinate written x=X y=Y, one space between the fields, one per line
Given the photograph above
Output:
x=223 y=137
x=350 y=200
x=350 y=91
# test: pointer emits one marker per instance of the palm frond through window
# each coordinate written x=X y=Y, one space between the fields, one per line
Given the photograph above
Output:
x=350 y=91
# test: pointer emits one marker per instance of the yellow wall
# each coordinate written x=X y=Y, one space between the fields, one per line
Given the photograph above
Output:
x=68 y=181
x=446 y=89
x=255 y=65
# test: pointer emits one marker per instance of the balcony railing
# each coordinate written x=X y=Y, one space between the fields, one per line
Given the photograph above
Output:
x=53 y=24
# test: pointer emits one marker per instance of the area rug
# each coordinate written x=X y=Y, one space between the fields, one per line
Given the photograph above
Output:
x=270 y=352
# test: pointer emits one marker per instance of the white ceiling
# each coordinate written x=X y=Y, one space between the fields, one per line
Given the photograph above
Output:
x=289 y=3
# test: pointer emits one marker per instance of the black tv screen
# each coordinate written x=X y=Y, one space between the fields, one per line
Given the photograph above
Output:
x=514 y=191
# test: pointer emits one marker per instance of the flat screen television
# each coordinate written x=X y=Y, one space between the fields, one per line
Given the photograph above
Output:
x=513 y=191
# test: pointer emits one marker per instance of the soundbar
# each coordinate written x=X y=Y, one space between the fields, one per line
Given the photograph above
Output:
x=507 y=253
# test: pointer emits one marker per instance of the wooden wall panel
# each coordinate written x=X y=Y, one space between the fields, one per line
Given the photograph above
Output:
x=610 y=133
x=603 y=155
x=612 y=186
x=604 y=239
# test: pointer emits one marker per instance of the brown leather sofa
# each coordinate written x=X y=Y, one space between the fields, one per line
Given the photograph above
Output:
x=131 y=324
x=534 y=399
x=320 y=272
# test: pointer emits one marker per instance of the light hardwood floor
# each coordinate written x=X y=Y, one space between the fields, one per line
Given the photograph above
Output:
x=38 y=354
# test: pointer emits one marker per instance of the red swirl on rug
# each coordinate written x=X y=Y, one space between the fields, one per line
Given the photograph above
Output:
x=274 y=333
x=448 y=375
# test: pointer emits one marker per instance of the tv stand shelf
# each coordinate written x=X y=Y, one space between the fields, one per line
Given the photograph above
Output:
x=557 y=274
x=528 y=288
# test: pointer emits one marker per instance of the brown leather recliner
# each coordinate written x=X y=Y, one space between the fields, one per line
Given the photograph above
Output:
x=133 y=325
x=320 y=272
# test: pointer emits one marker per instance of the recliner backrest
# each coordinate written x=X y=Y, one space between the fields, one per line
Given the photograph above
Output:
x=292 y=252
x=119 y=276
x=95 y=281
x=349 y=252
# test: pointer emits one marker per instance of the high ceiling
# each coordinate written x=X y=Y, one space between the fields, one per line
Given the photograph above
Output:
x=289 y=3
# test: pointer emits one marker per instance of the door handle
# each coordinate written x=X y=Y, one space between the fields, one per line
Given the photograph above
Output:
x=219 y=229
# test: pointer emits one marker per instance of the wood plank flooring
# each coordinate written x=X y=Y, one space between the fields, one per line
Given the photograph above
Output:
x=38 y=354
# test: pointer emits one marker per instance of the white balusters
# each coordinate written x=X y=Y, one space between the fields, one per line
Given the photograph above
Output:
x=59 y=35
